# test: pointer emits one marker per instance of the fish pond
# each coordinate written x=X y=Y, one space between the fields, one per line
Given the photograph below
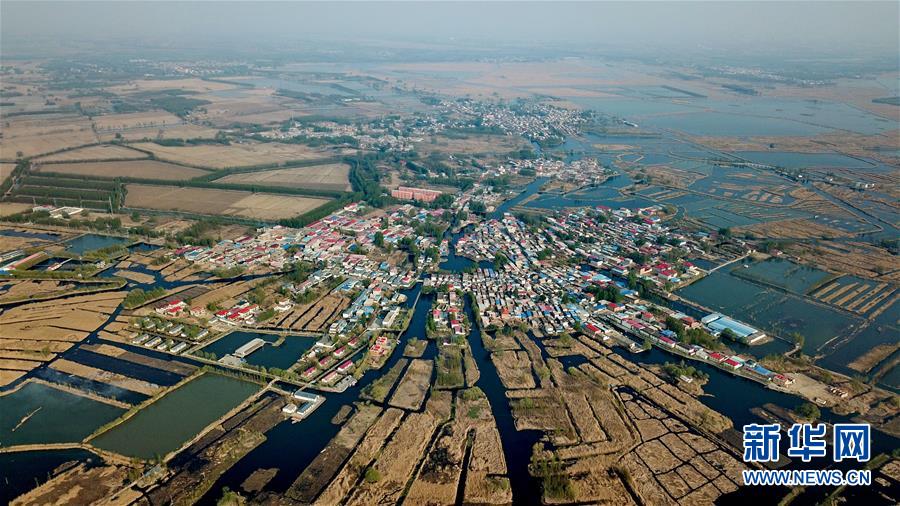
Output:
x=275 y=353
x=37 y=413
x=175 y=418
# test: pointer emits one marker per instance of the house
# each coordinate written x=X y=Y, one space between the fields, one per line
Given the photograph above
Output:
x=733 y=364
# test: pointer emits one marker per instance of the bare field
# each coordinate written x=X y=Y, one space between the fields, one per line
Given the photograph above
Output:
x=101 y=152
x=43 y=329
x=412 y=389
x=235 y=155
x=226 y=202
x=32 y=136
x=190 y=84
x=332 y=176
x=472 y=143
x=8 y=208
x=150 y=169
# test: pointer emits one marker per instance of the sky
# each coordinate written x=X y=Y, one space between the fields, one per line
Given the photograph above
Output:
x=847 y=27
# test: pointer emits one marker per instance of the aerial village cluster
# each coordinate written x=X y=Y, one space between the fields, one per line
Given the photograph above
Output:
x=534 y=121
x=537 y=122
x=570 y=275
x=336 y=249
x=364 y=136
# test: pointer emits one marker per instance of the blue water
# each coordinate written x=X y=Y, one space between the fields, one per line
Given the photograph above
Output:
x=91 y=242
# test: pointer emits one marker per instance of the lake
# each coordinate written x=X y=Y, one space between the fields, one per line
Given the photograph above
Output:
x=175 y=418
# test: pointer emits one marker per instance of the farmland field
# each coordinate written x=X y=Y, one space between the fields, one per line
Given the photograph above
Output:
x=149 y=169
x=102 y=152
x=37 y=135
x=237 y=155
x=135 y=120
x=332 y=176
x=168 y=131
x=226 y=202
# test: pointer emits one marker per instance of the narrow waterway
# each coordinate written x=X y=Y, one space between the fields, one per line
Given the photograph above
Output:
x=517 y=444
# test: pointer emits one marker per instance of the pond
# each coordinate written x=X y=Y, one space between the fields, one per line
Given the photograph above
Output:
x=282 y=356
x=91 y=242
x=56 y=416
x=175 y=418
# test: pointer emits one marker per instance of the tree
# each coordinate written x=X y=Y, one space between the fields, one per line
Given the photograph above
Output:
x=729 y=334
x=477 y=207
x=809 y=411
x=372 y=475
x=379 y=239
x=799 y=339
x=675 y=325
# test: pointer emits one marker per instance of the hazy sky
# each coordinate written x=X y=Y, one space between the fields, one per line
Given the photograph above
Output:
x=856 y=28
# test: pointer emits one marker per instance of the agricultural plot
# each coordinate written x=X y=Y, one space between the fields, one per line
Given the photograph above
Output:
x=147 y=169
x=120 y=122
x=89 y=153
x=35 y=135
x=411 y=391
x=153 y=85
x=333 y=176
x=174 y=131
x=314 y=317
x=236 y=155
x=855 y=294
x=796 y=228
x=36 y=332
x=220 y=202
